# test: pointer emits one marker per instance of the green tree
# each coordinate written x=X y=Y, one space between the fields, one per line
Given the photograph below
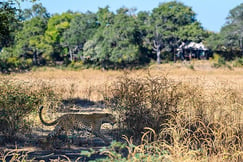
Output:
x=123 y=38
x=170 y=24
x=104 y=17
x=232 y=32
x=8 y=20
x=30 y=40
x=82 y=28
x=229 y=41
x=97 y=50
x=37 y=10
x=215 y=41
x=54 y=35
x=114 y=43
x=192 y=32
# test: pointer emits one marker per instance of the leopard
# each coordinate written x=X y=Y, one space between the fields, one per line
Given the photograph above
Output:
x=71 y=121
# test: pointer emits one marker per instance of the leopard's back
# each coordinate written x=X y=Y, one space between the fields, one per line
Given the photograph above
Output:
x=71 y=121
x=91 y=121
x=68 y=122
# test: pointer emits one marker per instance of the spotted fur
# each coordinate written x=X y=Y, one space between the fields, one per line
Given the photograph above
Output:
x=68 y=122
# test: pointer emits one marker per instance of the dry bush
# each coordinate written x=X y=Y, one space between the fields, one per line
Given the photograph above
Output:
x=142 y=102
x=198 y=117
x=212 y=121
x=17 y=101
x=191 y=122
x=154 y=147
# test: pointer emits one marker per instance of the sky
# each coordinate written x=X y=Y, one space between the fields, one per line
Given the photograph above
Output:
x=211 y=13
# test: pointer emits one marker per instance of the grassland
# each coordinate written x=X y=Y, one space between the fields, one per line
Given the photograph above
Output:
x=217 y=93
x=88 y=83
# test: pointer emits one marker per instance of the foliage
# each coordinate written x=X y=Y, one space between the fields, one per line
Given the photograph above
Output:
x=191 y=66
x=170 y=24
x=76 y=65
x=192 y=32
x=108 y=39
x=17 y=101
x=82 y=28
x=37 y=10
x=30 y=39
x=54 y=35
x=238 y=62
x=232 y=31
x=215 y=42
x=197 y=131
x=144 y=102
x=221 y=62
x=229 y=41
x=8 y=20
x=13 y=64
x=10 y=16
x=116 y=43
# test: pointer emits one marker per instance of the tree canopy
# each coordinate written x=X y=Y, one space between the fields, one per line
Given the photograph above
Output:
x=229 y=41
x=82 y=28
x=110 y=39
x=8 y=20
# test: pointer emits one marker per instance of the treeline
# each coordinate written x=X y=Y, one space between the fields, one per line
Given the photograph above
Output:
x=106 y=39
x=229 y=41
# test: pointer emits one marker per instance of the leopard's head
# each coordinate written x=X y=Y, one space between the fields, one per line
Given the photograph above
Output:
x=109 y=118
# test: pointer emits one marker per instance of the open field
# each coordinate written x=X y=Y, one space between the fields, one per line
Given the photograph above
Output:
x=88 y=83
x=218 y=91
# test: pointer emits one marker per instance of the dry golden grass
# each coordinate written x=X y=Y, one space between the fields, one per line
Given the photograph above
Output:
x=90 y=84
x=219 y=92
x=70 y=84
x=87 y=83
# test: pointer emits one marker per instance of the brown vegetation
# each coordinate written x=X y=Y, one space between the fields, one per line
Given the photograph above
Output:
x=193 y=114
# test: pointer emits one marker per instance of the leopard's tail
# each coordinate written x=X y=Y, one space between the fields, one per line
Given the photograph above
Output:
x=43 y=121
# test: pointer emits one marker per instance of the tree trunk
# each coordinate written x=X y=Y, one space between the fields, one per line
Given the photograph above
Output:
x=35 y=57
x=156 y=48
x=70 y=54
x=174 y=55
x=158 y=56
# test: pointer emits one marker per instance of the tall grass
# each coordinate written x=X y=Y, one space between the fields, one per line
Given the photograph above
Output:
x=142 y=102
x=187 y=121
x=187 y=115
x=18 y=100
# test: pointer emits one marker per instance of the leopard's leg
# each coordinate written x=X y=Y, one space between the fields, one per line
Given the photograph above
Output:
x=58 y=136
x=97 y=133
x=52 y=136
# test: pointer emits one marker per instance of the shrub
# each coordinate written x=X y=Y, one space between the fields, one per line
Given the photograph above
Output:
x=3 y=65
x=144 y=102
x=221 y=63
x=216 y=57
x=17 y=101
x=238 y=62
x=187 y=119
x=14 y=64
x=205 y=127
x=183 y=148
x=75 y=65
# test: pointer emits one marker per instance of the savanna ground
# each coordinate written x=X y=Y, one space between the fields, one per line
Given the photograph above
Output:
x=207 y=102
